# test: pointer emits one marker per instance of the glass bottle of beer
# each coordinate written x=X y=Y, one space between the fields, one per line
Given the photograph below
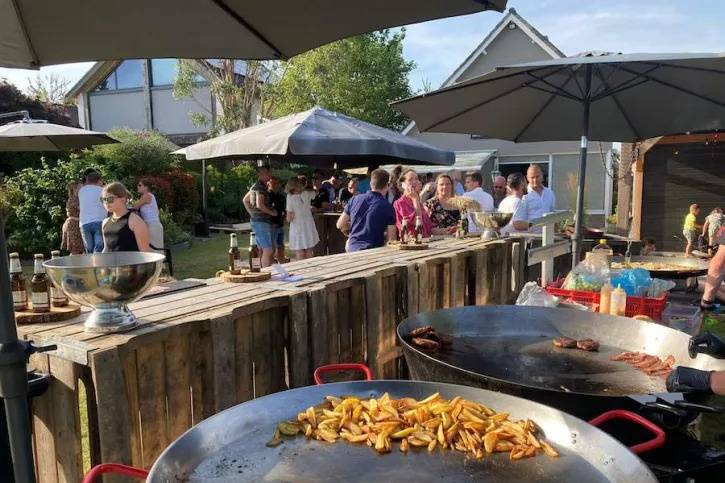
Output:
x=418 y=230
x=464 y=220
x=57 y=297
x=404 y=231
x=17 y=284
x=235 y=256
x=40 y=286
x=255 y=263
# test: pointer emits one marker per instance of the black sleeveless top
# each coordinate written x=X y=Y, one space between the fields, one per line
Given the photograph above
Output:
x=118 y=236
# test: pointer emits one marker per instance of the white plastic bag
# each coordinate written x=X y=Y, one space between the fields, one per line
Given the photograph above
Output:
x=533 y=295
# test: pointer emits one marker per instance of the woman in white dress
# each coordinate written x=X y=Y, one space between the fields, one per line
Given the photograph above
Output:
x=149 y=211
x=302 y=231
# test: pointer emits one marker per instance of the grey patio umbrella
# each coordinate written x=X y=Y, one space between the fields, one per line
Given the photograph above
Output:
x=319 y=138
x=606 y=98
x=42 y=136
x=35 y=33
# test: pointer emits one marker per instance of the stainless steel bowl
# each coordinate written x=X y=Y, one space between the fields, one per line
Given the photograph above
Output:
x=107 y=282
x=490 y=222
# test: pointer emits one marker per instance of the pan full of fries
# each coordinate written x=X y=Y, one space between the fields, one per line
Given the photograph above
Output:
x=395 y=431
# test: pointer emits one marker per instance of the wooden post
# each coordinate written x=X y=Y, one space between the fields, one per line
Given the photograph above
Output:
x=114 y=426
x=505 y=268
x=300 y=362
x=374 y=317
x=638 y=183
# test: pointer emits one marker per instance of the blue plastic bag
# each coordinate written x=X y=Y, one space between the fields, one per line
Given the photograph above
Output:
x=635 y=281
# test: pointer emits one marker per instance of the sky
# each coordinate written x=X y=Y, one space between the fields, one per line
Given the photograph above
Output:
x=574 y=26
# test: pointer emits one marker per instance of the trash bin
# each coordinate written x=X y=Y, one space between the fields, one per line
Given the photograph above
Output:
x=37 y=385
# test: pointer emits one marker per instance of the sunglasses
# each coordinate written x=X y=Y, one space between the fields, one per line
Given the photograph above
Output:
x=107 y=199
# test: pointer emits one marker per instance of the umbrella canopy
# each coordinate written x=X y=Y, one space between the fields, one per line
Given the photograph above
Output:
x=607 y=98
x=320 y=138
x=41 y=136
x=34 y=33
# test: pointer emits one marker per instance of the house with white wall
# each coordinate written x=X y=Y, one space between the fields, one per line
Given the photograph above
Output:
x=514 y=41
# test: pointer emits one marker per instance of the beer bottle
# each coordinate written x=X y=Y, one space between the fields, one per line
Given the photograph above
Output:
x=235 y=256
x=40 y=286
x=17 y=284
x=404 y=231
x=418 y=230
x=459 y=229
x=57 y=297
x=255 y=263
x=464 y=220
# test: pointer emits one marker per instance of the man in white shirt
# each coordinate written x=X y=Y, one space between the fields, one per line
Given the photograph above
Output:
x=515 y=203
x=92 y=212
x=475 y=192
x=540 y=200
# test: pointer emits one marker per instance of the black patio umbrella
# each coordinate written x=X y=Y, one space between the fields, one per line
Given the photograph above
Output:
x=35 y=33
x=606 y=98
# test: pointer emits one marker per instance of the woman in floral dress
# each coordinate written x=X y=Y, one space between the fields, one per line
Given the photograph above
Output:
x=443 y=214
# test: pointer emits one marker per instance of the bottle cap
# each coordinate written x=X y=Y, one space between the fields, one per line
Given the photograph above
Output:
x=38 y=255
x=602 y=241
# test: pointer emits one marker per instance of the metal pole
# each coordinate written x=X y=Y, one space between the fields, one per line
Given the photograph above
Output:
x=579 y=218
x=13 y=378
x=203 y=190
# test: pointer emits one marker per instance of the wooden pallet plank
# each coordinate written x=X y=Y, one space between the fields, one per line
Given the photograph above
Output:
x=223 y=348
x=344 y=324
x=262 y=337
x=114 y=425
x=244 y=358
x=374 y=317
x=67 y=428
x=300 y=362
x=317 y=315
x=130 y=375
x=357 y=323
x=178 y=383
x=333 y=325
x=150 y=363
x=202 y=384
x=505 y=264
x=43 y=427
x=276 y=349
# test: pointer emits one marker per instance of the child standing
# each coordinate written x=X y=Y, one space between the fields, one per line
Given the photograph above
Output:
x=691 y=229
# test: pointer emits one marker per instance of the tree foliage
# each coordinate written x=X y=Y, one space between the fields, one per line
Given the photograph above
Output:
x=50 y=88
x=358 y=76
x=237 y=86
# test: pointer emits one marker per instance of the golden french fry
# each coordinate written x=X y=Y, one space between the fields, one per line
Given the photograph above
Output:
x=417 y=442
x=532 y=439
x=432 y=445
x=489 y=441
x=311 y=416
x=404 y=446
x=289 y=428
x=503 y=446
x=403 y=433
x=353 y=438
x=441 y=436
x=548 y=449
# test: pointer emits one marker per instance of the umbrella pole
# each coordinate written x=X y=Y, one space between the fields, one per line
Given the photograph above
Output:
x=13 y=378
x=203 y=190
x=579 y=218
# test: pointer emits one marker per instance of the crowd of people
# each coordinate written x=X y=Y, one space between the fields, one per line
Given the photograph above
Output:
x=104 y=218
x=374 y=208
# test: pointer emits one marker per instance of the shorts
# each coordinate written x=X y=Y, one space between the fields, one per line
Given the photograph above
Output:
x=690 y=235
x=278 y=236
x=263 y=233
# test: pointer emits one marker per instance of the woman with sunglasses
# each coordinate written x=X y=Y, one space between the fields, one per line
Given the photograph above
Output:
x=124 y=230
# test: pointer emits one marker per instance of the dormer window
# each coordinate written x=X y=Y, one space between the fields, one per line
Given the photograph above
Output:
x=128 y=75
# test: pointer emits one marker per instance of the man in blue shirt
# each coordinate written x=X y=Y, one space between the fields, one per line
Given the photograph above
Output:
x=369 y=217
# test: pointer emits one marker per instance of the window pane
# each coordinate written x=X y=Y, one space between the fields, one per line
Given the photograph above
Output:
x=163 y=71
x=108 y=84
x=129 y=74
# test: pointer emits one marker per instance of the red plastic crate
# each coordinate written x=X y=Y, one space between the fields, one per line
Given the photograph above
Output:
x=651 y=307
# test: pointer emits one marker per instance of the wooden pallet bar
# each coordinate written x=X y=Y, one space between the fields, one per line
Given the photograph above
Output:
x=199 y=351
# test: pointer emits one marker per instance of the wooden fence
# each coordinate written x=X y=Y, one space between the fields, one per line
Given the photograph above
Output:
x=125 y=397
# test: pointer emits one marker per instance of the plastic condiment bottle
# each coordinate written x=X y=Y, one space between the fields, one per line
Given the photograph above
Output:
x=618 y=304
x=605 y=298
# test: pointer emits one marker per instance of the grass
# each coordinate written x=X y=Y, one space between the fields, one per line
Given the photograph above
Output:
x=206 y=256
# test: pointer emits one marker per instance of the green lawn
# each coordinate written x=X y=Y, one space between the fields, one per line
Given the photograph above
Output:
x=206 y=256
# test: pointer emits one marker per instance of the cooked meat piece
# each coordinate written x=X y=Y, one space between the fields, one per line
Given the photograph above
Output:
x=657 y=367
x=670 y=360
x=648 y=362
x=421 y=331
x=589 y=345
x=638 y=358
x=564 y=342
x=426 y=344
x=624 y=356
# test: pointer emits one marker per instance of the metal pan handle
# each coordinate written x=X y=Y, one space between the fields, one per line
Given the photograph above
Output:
x=342 y=367
x=116 y=468
x=656 y=442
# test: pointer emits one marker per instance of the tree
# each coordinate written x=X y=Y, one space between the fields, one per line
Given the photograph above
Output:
x=237 y=86
x=358 y=76
x=50 y=88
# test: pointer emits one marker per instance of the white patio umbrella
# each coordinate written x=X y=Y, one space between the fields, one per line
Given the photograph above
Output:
x=606 y=98
x=34 y=33
x=44 y=136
